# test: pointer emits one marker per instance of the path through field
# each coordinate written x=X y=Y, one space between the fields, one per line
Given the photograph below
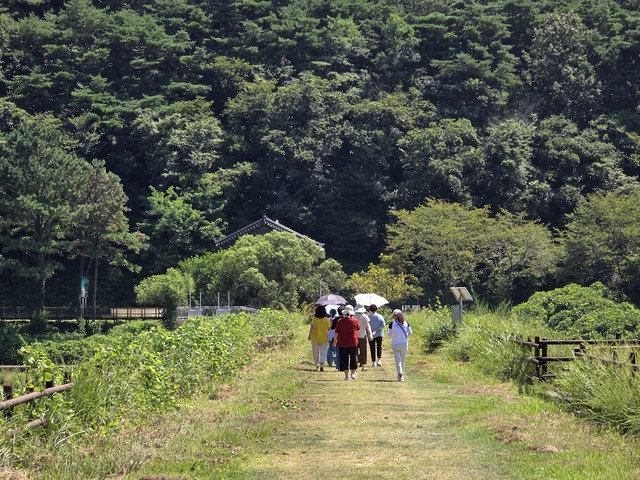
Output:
x=284 y=420
x=373 y=427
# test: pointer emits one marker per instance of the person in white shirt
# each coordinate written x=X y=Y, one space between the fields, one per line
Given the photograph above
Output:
x=364 y=335
x=399 y=330
x=376 y=322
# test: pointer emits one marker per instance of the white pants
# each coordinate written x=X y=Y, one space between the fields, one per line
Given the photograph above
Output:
x=400 y=356
x=319 y=353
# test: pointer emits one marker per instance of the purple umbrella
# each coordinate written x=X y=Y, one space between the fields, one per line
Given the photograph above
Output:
x=331 y=299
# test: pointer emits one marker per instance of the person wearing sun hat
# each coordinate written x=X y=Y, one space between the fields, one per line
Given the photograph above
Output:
x=346 y=339
x=399 y=330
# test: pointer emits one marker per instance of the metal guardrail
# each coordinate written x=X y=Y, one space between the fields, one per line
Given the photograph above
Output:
x=182 y=313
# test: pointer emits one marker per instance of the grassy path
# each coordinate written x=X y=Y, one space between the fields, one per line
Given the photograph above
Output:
x=284 y=420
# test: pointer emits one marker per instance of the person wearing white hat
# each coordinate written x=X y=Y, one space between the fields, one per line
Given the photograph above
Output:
x=364 y=335
x=346 y=339
x=399 y=330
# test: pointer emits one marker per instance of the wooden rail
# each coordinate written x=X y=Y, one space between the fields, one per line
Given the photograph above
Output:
x=65 y=313
x=541 y=357
x=9 y=401
x=47 y=392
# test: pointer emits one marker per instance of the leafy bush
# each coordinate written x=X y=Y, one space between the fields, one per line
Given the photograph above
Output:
x=138 y=370
x=587 y=312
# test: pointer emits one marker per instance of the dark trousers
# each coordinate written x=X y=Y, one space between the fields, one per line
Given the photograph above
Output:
x=362 y=351
x=376 y=348
x=348 y=358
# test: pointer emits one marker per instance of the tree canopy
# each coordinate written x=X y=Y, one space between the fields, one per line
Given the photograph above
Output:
x=338 y=117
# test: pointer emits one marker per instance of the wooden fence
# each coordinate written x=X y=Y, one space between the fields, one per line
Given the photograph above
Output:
x=102 y=313
x=542 y=358
x=9 y=401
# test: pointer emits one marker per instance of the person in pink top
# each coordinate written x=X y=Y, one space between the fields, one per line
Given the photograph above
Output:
x=346 y=339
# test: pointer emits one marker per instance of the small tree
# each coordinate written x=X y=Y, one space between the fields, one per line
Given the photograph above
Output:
x=167 y=291
x=102 y=229
x=395 y=287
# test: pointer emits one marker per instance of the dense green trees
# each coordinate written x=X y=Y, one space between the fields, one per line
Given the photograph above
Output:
x=331 y=114
x=445 y=244
x=39 y=199
x=54 y=205
x=270 y=270
x=603 y=242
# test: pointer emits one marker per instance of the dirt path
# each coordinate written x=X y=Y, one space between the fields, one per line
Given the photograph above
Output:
x=284 y=420
x=372 y=427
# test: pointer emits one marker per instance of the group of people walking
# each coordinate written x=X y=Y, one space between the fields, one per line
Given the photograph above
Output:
x=345 y=337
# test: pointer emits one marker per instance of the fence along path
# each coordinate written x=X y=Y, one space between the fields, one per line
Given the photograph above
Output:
x=9 y=401
x=542 y=359
x=102 y=313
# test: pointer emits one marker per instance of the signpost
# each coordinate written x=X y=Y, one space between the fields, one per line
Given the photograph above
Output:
x=462 y=295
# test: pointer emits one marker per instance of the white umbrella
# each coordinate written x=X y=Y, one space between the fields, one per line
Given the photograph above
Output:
x=328 y=308
x=370 y=299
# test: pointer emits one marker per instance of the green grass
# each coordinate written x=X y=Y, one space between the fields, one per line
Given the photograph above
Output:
x=279 y=419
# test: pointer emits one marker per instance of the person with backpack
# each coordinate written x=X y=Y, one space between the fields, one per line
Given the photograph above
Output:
x=399 y=330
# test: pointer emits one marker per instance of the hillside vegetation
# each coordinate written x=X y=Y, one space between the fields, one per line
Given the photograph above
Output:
x=134 y=134
x=457 y=415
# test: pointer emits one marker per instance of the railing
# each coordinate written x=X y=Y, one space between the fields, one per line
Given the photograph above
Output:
x=542 y=359
x=102 y=313
x=9 y=401
x=182 y=313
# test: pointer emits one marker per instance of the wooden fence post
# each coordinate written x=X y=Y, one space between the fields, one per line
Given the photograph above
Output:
x=545 y=354
x=7 y=393
x=536 y=354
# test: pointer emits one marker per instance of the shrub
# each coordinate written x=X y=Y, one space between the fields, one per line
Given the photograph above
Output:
x=140 y=369
x=587 y=312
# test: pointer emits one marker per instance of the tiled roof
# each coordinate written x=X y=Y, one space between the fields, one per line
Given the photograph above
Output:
x=259 y=227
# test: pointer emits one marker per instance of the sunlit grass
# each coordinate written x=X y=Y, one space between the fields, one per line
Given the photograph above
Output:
x=277 y=417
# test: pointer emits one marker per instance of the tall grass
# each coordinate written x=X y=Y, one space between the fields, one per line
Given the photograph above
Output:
x=601 y=391
x=604 y=392
x=125 y=377
x=485 y=340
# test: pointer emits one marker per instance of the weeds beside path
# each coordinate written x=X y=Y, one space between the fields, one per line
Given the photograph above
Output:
x=284 y=420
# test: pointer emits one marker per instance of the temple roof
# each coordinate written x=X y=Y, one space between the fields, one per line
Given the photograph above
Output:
x=259 y=227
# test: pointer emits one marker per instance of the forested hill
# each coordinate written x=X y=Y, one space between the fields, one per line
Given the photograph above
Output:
x=326 y=114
